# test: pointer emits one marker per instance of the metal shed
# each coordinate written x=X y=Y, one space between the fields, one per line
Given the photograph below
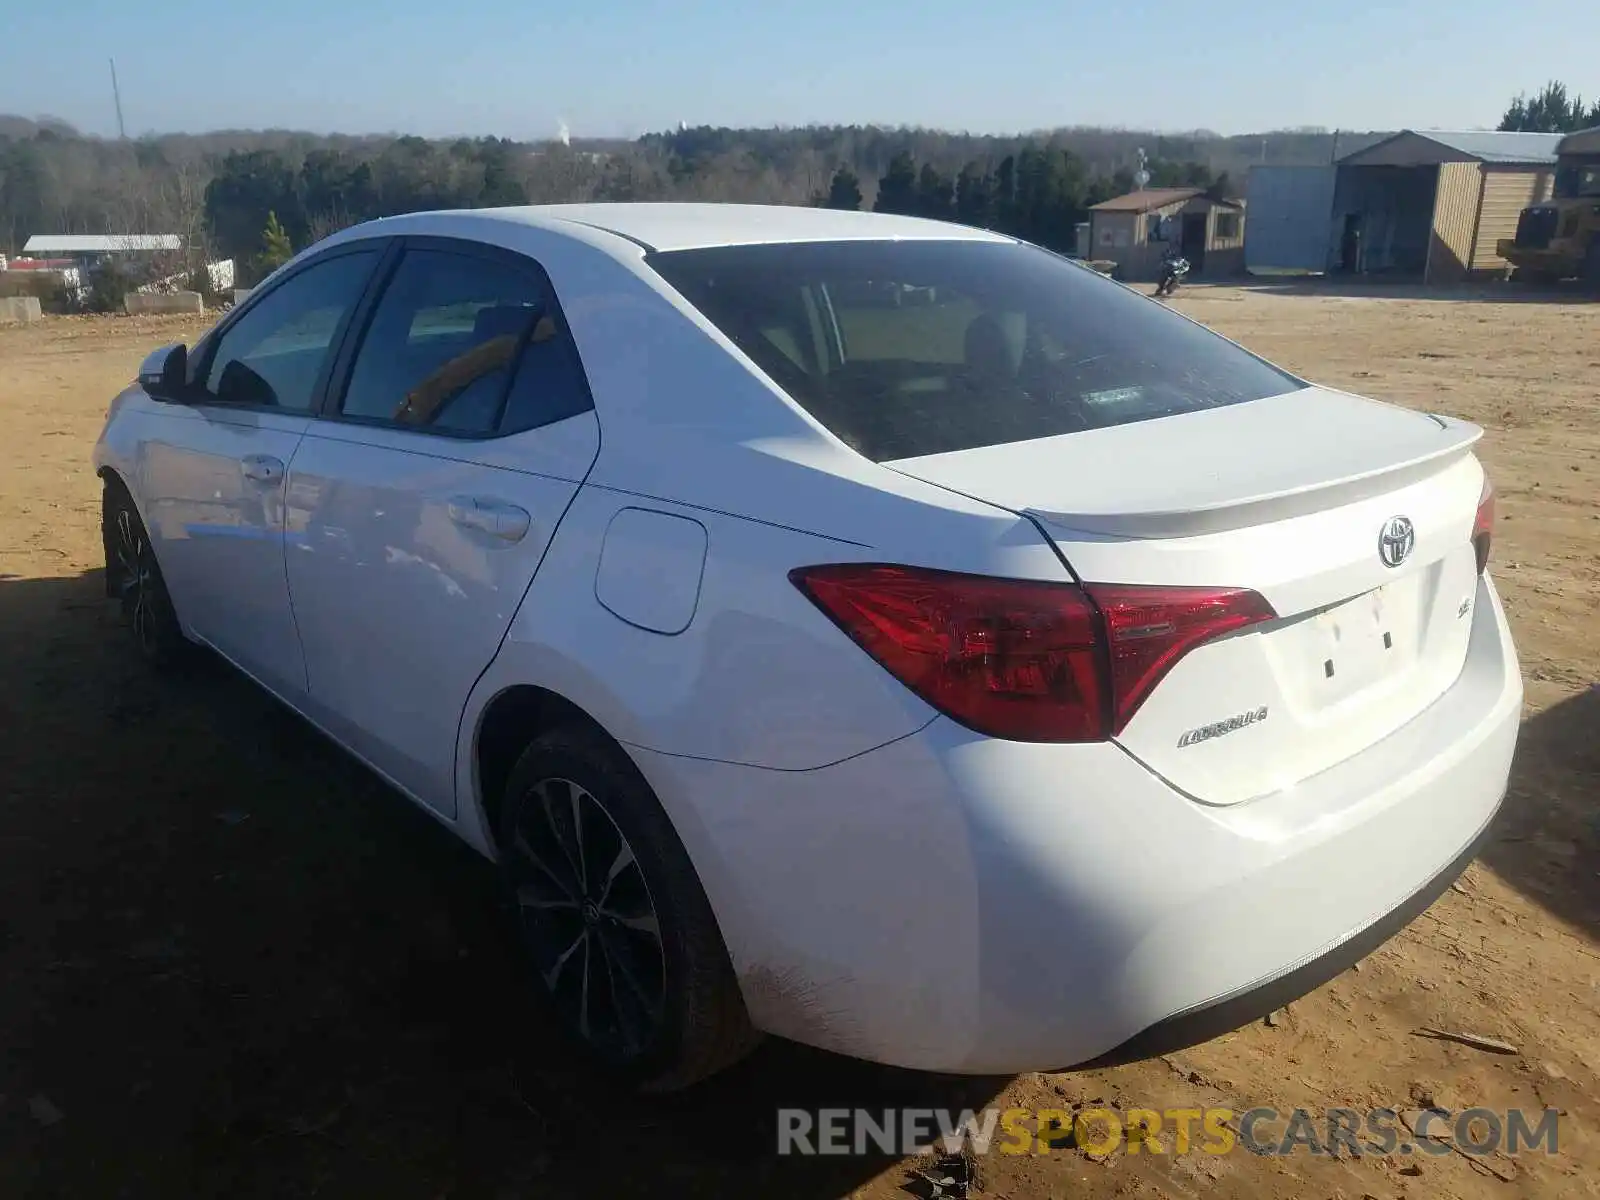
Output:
x=1135 y=230
x=1428 y=205
x=1289 y=212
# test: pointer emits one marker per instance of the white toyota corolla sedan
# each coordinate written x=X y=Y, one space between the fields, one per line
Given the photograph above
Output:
x=867 y=630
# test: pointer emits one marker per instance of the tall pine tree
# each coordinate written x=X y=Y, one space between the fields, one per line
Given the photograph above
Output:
x=1552 y=110
x=276 y=249
x=897 y=190
x=935 y=194
x=845 y=190
x=975 y=196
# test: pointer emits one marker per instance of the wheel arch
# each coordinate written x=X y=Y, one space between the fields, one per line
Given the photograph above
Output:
x=519 y=712
x=511 y=719
x=113 y=478
x=113 y=483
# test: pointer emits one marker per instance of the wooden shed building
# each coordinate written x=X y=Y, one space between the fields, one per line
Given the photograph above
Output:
x=1428 y=205
x=1135 y=231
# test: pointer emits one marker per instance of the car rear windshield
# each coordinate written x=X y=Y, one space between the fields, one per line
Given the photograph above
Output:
x=907 y=348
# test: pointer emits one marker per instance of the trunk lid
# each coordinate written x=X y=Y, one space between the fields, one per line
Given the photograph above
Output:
x=1291 y=497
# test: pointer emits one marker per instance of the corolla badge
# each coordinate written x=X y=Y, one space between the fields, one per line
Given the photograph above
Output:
x=1396 y=541
x=1219 y=728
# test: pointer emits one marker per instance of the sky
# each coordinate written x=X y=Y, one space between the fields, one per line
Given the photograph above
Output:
x=608 y=68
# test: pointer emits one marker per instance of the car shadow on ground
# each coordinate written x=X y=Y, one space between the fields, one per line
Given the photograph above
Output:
x=236 y=964
x=1548 y=840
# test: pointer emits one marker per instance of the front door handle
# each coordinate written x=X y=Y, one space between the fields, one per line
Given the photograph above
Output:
x=262 y=468
x=497 y=518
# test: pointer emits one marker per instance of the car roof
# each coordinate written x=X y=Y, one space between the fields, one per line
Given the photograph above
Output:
x=672 y=226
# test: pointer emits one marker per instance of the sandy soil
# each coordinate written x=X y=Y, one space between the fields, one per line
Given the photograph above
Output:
x=233 y=964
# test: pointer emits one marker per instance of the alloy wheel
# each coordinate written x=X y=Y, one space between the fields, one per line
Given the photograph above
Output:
x=588 y=918
x=136 y=580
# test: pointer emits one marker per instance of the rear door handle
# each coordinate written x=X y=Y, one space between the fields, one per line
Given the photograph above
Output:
x=262 y=468
x=497 y=518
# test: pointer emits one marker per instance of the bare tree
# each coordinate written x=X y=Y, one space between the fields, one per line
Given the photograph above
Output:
x=325 y=224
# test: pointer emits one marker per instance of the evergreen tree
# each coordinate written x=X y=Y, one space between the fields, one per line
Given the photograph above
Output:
x=276 y=249
x=935 y=194
x=897 y=190
x=1552 y=110
x=975 y=196
x=845 y=190
x=1004 y=200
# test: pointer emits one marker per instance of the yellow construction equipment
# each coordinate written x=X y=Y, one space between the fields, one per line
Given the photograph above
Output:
x=1560 y=238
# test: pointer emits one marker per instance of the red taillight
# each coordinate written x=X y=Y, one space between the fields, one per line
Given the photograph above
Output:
x=1005 y=657
x=1483 y=525
x=1151 y=628
x=1019 y=659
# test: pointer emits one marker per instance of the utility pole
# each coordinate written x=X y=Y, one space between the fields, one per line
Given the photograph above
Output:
x=116 y=94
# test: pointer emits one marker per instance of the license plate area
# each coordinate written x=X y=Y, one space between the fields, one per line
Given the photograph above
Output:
x=1359 y=644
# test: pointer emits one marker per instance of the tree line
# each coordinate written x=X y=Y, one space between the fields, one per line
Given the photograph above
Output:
x=1039 y=194
x=218 y=190
x=1550 y=110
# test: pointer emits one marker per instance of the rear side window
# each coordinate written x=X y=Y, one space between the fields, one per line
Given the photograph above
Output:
x=464 y=345
x=904 y=349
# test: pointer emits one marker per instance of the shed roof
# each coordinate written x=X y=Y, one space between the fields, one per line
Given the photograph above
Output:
x=73 y=243
x=1476 y=145
x=1147 y=200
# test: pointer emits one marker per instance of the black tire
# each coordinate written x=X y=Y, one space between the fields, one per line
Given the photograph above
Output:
x=134 y=580
x=660 y=1012
x=1591 y=264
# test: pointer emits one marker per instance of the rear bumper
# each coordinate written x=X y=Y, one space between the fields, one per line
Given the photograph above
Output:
x=950 y=902
x=1228 y=1013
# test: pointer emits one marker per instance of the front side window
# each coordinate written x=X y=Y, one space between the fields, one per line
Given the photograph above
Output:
x=908 y=348
x=274 y=354
x=464 y=345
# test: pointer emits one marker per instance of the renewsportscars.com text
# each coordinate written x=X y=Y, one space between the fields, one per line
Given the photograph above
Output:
x=1100 y=1131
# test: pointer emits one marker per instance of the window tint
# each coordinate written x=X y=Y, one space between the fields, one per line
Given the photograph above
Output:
x=274 y=354
x=923 y=347
x=442 y=351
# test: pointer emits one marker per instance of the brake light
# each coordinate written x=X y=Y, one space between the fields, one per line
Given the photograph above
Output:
x=1151 y=628
x=1020 y=659
x=1483 y=525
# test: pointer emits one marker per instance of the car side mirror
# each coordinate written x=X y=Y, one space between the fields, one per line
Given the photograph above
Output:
x=164 y=375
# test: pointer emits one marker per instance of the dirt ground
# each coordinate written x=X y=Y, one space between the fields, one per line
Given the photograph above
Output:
x=232 y=964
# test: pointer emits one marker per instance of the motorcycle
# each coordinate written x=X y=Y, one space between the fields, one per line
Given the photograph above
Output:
x=1174 y=267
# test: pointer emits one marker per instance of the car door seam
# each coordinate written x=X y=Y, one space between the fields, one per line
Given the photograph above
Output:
x=283 y=551
x=550 y=541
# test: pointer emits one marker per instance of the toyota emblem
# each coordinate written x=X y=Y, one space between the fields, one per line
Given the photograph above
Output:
x=1396 y=541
